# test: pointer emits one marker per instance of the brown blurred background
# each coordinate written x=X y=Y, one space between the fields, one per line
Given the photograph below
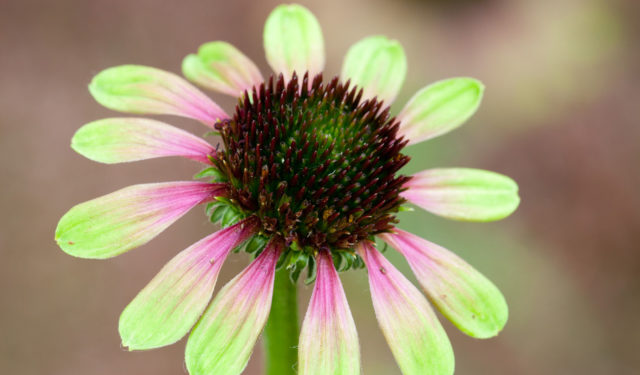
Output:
x=560 y=116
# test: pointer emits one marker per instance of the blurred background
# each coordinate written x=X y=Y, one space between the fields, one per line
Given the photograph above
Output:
x=560 y=116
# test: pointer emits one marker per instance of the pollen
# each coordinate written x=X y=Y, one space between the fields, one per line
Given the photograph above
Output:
x=316 y=163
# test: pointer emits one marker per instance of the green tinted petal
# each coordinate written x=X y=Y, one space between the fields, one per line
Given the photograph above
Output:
x=378 y=65
x=467 y=298
x=417 y=340
x=328 y=338
x=463 y=193
x=220 y=66
x=118 y=140
x=145 y=90
x=166 y=309
x=114 y=223
x=293 y=41
x=223 y=339
x=440 y=108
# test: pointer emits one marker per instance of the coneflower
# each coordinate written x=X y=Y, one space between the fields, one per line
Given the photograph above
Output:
x=309 y=176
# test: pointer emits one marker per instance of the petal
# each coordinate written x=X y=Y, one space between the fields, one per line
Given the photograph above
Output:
x=293 y=41
x=117 y=140
x=220 y=66
x=223 y=339
x=114 y=223
x=166 y=309
x=463 y=193
x=328 y=340
x=440 y=108
x=417 y=340
x=145 y=90
x=467 y=298
x=378 y=65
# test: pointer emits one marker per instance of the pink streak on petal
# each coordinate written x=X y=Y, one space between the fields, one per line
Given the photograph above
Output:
x=412 y=330
x=420 y=189
x=203 y=260
x=256 y=281
x=328 y=340
x=419 y=198
x=167 y=308
x=138 y=139
x=178 y=142
x=190 y=147
x=198 y=105
x=187 y=100
x=463 y=193
x=208 y=254
x=180 y=195
x=130 y=217
x=223 y=339
x=169 y=201
x=417 y=250
x=240 y=79
x=387 y=283
x=463 y=295
x=328 y=297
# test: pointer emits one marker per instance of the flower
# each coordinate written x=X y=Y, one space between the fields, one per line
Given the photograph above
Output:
x=308 y=177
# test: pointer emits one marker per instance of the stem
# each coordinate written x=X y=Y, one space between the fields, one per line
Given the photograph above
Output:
x=282 y=331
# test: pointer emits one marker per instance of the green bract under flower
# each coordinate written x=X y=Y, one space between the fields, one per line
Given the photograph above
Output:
x=315 y=163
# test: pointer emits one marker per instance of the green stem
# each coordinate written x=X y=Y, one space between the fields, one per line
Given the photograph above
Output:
x=282 y=331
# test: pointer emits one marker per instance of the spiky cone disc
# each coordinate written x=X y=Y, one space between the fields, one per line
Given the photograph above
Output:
x=315 y=163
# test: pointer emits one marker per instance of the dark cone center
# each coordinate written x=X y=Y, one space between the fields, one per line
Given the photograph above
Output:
x=315 y=163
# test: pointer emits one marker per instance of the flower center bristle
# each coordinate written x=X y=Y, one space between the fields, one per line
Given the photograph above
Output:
x=315 y=163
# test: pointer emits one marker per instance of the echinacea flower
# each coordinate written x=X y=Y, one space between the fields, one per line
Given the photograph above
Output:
x=308 y=177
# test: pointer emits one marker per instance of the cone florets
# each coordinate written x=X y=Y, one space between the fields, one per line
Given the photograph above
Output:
x=315 y=163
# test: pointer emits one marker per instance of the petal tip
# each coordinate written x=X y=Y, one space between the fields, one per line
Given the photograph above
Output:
x=440 y=108
x=221 y=67
x=486 y=330
x=293 y=41
x=65 y=243
x=378 y=65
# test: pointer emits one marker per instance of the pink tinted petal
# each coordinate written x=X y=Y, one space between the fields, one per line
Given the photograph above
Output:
x=145 y=90
x=166 y=309
x=222 y=67
x=130 y=217
x=462 y=294
x=223 y=339
x=117 y=140
x=416 y=338
x=328 y=340
x=465 y=194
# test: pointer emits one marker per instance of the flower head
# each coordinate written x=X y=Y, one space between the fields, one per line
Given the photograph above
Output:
x=309 y=175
